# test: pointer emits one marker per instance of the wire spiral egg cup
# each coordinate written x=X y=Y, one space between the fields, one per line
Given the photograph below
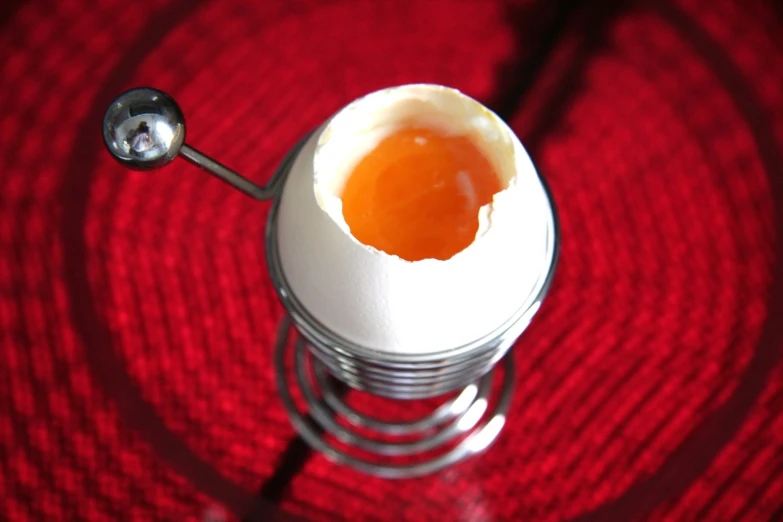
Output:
x=144 y=129
x=463 y=425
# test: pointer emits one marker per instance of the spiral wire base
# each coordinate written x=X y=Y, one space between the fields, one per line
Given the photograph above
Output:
x=462 y=426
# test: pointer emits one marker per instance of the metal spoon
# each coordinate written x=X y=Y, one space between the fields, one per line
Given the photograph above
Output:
x=144 y=129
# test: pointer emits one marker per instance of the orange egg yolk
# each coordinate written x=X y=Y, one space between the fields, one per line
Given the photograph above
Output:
x=417 y=194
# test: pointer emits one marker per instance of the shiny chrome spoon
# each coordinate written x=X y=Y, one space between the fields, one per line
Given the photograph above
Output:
x=144 y=129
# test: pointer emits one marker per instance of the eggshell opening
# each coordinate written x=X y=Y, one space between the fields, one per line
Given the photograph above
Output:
x=358 y=128
x=382 y=302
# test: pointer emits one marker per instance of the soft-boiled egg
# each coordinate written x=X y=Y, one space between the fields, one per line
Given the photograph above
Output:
x=413 y=221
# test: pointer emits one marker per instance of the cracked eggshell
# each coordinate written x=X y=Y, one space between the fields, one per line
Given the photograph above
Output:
x=380 y=301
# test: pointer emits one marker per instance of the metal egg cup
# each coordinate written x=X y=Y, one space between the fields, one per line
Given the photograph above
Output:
x=145 y=129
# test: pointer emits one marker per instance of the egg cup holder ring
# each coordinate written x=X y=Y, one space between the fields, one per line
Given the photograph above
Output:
x=144 y=129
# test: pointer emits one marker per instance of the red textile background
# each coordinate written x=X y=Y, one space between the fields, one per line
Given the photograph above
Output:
x=136 y=315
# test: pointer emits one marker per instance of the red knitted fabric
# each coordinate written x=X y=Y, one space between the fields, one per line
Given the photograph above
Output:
x=137 y=316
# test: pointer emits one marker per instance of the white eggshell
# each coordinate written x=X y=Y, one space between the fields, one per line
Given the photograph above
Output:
x=381 y=301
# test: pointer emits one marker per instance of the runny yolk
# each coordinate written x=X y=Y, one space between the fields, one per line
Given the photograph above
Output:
x=417 y=195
